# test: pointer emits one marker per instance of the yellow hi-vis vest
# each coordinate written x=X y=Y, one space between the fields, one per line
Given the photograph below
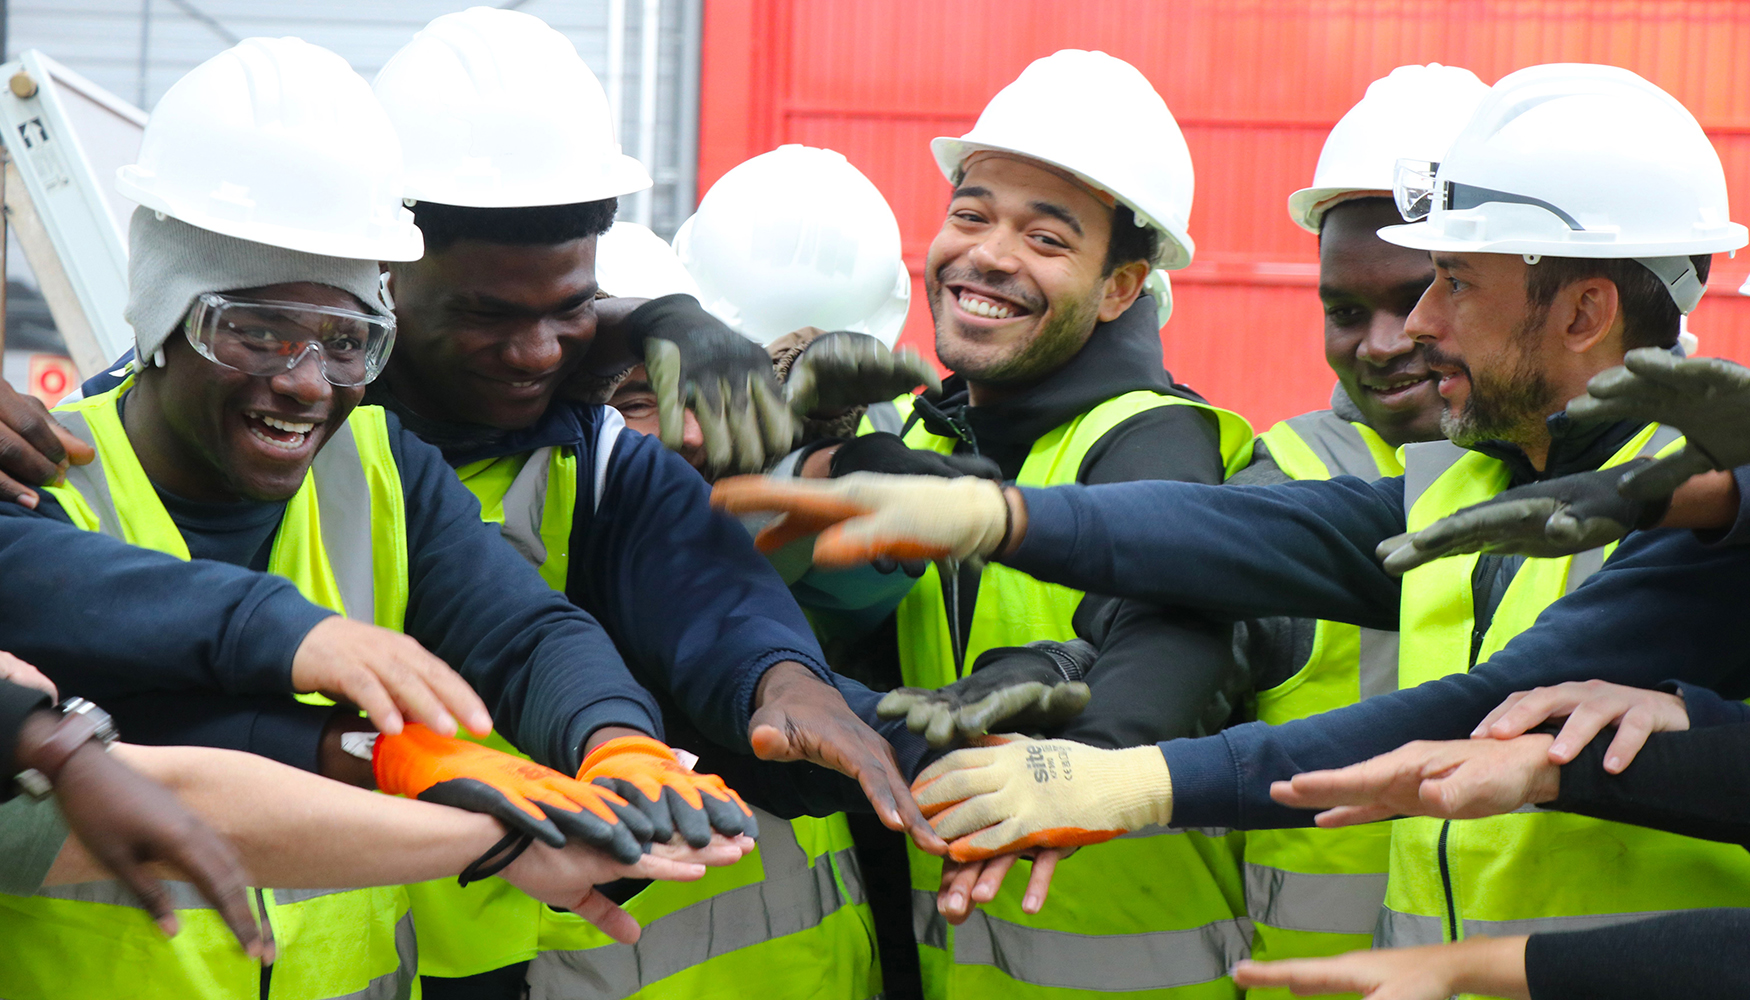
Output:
x=1311 y=892
x=790 y=919
x=1151 y=914
x=343 y=542
x=1527 y=871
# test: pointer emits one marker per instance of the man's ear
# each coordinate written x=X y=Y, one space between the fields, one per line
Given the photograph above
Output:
x=1595 y=315
x=1122 y=287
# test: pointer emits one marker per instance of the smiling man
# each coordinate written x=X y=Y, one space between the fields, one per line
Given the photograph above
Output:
x=1036 y=281
x=1571 y=220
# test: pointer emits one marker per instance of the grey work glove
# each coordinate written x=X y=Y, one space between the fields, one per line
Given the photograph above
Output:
x=696 y=362
x=1545 y=520
x=1033 y=687
x=841 y=370
x=1708 y=399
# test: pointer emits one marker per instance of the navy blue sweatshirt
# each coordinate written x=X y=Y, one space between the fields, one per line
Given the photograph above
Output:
x=1306 y=549
x=547 y=671
x=699 y=614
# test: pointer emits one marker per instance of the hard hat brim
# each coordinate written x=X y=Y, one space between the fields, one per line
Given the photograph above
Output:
x=620 y=176
x=1424 y=236
x=1177 y=248
x=402 y=243
x=1307 y=207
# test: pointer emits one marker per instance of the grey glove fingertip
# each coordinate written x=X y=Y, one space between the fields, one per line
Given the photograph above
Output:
x=694 y=825
x=1067 y=700
x=662 y=364
x=896 y=704
x=941 y=732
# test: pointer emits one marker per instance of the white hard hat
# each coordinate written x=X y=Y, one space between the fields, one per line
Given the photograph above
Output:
x=1413 y=112
x=633 y=262
x=497 y=110
x=1576 y=160
x=1099 y=118
x=310 y=161
x=797 y=237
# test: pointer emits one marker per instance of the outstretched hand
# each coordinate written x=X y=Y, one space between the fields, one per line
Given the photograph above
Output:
x=1590 y=708
x=1708 y=399
x=1453 y=779
x=970 y=884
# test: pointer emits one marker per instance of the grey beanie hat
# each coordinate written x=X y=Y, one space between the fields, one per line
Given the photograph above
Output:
x=170 y=263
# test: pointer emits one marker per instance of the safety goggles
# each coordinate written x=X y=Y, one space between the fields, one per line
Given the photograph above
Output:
x=1416 y=190
x=267 y=338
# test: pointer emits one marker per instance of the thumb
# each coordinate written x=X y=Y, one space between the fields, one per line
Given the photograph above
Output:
x=78 y=452
x=770 y=738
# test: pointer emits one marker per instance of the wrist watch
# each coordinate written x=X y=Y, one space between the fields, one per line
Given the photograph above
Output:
x=81 y=722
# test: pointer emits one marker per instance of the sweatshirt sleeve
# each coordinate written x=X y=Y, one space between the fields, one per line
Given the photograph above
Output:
x=1300 y=548
x=1695 y=783
x=697 y=610
x=1688 y=955
x=77 y=604
x=547 y=670
x=1652 y=612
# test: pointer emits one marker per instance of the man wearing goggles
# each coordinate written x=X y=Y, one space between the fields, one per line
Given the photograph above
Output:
x=266 y=338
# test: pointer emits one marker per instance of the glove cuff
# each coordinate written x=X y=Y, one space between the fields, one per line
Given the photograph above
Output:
x=626 y=746
x=1142 y=787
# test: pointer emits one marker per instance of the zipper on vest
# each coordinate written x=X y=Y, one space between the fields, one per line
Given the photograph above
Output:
x=1446 y=883
x=950 y=573
x=267 y=936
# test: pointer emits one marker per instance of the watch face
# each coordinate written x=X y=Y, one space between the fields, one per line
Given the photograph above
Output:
x=103 y=726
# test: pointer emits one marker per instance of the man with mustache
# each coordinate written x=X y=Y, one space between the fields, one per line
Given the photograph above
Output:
x=1036 y=281
x=1572 y=220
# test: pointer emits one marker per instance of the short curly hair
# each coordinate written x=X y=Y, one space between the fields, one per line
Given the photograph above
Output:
x=541 y=225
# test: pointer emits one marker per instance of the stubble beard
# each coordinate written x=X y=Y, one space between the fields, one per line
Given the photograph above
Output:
x=1058 y=339
x=1502 y=407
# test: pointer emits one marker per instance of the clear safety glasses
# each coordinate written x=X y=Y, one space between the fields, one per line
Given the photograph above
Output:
x=267 y=338
x=1416 y=190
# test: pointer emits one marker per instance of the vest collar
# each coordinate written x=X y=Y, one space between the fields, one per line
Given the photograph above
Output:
x=1574 y=447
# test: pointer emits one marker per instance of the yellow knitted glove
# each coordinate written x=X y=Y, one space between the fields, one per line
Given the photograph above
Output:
x=867 y=515
x=1023 y=793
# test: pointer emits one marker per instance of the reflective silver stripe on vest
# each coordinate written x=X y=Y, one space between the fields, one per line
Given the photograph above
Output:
x=182 y=895
x=286 y=897
x=884 y=417
x=1323 y=903
x=1379 y=662
x=792 y=897
x=1112 y=962
x=525 y=502
x=1406 y=930
x=1543 y=925
x=397 y=985
x=1337 y=443
x=343 y=503
x=612 y=425
x=1424 y=462
x=88 y=480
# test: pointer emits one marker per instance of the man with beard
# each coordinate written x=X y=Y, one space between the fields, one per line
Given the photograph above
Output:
x=1036 y=283
x=1528 y=304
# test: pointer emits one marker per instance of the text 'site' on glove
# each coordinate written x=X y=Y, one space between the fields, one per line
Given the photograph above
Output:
x=1708 y=399
x=867 y=516
x=673 y=798
x=1032 y=687
x=1559 y=517
x=524 y=795
x=1022 y=793
x=696 y=362
x=841 y=370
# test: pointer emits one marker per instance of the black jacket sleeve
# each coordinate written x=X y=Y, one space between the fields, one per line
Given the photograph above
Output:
x=16 y=704
x=1688 y=955
x=547 y=671
x=1695 y=783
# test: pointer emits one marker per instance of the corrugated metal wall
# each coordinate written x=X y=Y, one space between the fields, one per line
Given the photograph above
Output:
x=1255 y=84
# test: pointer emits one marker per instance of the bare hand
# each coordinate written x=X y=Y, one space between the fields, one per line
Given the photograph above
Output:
x=1590 y=708
x=974 y=883
x=566 y=877
x=24 y=675
x=1454 y=779
x=387 y=674
x=127 y=821
x=797 y=716
x=34 y=449
x=1495 y=966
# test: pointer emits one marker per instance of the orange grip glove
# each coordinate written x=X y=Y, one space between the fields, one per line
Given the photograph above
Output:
x=672 y=797
x=522 y=794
